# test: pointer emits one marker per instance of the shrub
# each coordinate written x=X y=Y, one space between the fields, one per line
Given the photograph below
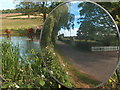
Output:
x=28 y=71
x=84 y=45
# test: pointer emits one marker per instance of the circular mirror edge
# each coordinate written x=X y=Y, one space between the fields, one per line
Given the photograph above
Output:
x=114 y=24
x=41 y=48
x=118 y=33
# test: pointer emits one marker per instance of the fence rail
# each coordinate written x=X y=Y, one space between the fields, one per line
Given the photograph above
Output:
x=105 y=48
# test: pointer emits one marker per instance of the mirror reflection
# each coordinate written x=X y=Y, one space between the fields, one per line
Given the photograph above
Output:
x=81 y=39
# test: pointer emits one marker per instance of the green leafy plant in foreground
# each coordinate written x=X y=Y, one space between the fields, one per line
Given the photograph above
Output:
x=55 y=67
x=27 y=71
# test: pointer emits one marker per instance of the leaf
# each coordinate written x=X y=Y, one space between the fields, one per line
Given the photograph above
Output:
x=59 y=86
x=110 y=80
x=5 y=86
x=10 y=83
x=29 y=86
x=42 y=83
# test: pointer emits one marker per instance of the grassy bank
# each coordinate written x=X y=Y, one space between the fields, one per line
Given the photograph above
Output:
x=19 y=24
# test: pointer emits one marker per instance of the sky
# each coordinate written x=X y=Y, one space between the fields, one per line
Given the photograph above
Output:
x=73 y=9
x=6 y=4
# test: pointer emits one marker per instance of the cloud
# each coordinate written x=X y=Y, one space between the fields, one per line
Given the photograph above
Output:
x=7 y=4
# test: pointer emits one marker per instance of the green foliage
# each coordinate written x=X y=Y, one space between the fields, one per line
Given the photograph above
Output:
x=40 y=7
x=114 y=81
x=55 y=67
x=8 y=11
x=58 y=19
x=46 y=38
x=86 y=45
x=113 y=8
x=99 y=24
x=27 y=71
x=26 y=8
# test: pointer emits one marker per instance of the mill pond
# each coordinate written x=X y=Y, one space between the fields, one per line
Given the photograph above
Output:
x=24 y=43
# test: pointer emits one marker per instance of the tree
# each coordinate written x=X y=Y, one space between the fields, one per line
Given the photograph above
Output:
x=96 y=24
x=114 y=10
x=45 y=7
x=60 y=18
x=40 y=7
x=8 y=11
x=26 y=8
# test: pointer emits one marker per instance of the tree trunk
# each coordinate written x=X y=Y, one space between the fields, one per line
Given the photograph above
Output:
x=44 y=11
x=28 y=15
x=44 y=17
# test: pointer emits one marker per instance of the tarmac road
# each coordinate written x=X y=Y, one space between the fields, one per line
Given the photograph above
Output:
x=97 y=65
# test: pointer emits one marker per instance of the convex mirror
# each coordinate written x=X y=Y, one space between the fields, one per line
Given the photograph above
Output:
x=80 y=41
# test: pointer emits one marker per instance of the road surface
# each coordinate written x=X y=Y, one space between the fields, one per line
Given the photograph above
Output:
x=97 y=65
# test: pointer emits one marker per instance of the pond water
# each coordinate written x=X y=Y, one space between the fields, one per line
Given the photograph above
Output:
x=24 y=43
